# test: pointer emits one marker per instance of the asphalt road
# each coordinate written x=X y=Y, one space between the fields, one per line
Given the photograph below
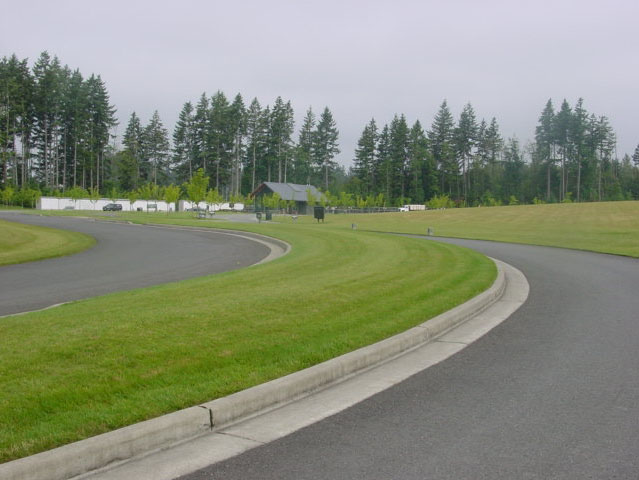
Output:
x=125 y=257
x=551 y=393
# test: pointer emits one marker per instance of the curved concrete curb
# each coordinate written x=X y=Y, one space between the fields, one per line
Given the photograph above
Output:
x=278 y=247
x=145 y=437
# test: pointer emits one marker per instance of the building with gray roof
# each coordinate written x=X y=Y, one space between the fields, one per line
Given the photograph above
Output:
x=289 y=191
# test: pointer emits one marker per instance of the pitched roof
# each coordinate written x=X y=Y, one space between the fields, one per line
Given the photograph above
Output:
x=291 y=191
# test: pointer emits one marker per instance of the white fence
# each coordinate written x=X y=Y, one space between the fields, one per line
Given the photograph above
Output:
x=186 y=205
x=55 y=203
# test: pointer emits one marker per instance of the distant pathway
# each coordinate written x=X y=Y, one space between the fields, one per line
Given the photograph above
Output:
x=125 y=257
x=553 y=392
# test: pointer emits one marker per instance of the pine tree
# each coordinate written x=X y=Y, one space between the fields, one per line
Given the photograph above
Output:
x=221 y=138
x=465 y=141
x=256 y=141
x=561 y=131
x=101 y=119
x=383 y=164
x=441 y=139
x=398 y=158
x=237 y=130
x=578 y=127
x=421 y=173
x=545 y=141
x=137 y=169
x=76 y=124
x=156 y=149
x=202 y=141
x=325 y=145
x=46 y=73
x=364 y=163
x=281 y=125
x=304 y=149
x=16 y=90
x=513 y=170
x=184 y=143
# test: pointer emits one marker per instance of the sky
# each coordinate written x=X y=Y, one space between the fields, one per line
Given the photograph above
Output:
x=361 y=59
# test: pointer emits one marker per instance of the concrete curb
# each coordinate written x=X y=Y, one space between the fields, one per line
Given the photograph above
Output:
x=118 y=446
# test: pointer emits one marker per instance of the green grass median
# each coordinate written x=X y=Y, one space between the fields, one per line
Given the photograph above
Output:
x=24 y=243
x=95 y=365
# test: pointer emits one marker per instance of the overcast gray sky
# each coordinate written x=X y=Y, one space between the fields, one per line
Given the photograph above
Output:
x=362 y=59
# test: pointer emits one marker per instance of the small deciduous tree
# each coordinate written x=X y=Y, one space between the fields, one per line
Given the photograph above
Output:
x=76 y=193
x=171 y=195
x=196 y=187
x=113 y=194
x=213 y=197
x=132 y=197
x=7 y=195
x=94 y=195
x=310 y=198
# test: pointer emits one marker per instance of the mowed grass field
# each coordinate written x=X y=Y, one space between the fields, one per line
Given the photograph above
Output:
x=607 y=227
x=95 y=365
x=92 y=366
x=24 y=243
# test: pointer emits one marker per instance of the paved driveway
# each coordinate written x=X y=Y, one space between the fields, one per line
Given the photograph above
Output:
x=126 y=256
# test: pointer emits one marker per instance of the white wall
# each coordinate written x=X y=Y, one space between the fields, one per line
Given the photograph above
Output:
x=184 y=205
x=54 y=203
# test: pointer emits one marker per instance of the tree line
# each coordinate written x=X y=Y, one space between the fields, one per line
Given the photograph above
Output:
x=56 y=134
x=573 y=158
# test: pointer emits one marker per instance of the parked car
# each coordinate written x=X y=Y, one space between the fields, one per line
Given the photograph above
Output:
x=112 y=207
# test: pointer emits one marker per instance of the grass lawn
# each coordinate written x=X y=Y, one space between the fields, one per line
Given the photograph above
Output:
x=24 y=243
x=95 y=365
x=608 y=227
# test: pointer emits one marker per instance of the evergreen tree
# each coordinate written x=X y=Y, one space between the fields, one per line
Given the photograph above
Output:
x=137 y=169
x=76 y=124
x=202 y=142
x=398 y=150
x=256 y=124
x=365 y=154
x=304 y=149
x=16 y=118
x=421 y=172
x=561 y=133
x=325 y=145
x=465 y=141
x=184 y=150
x=383 y=164
x=281 y=125
x=156 y=149
x=46 y=72
x=545 y=142
x=578 y=128
x=220 y=138
x=441 y=140
x=513 y=170
x=101 y=119
x=237 y=130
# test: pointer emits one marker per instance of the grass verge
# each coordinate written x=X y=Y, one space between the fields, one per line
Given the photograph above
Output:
x=95 y=365
x=607 y=227
x=25 y=243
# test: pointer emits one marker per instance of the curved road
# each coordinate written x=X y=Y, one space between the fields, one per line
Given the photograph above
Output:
x=553 y=392
x=126 y=256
